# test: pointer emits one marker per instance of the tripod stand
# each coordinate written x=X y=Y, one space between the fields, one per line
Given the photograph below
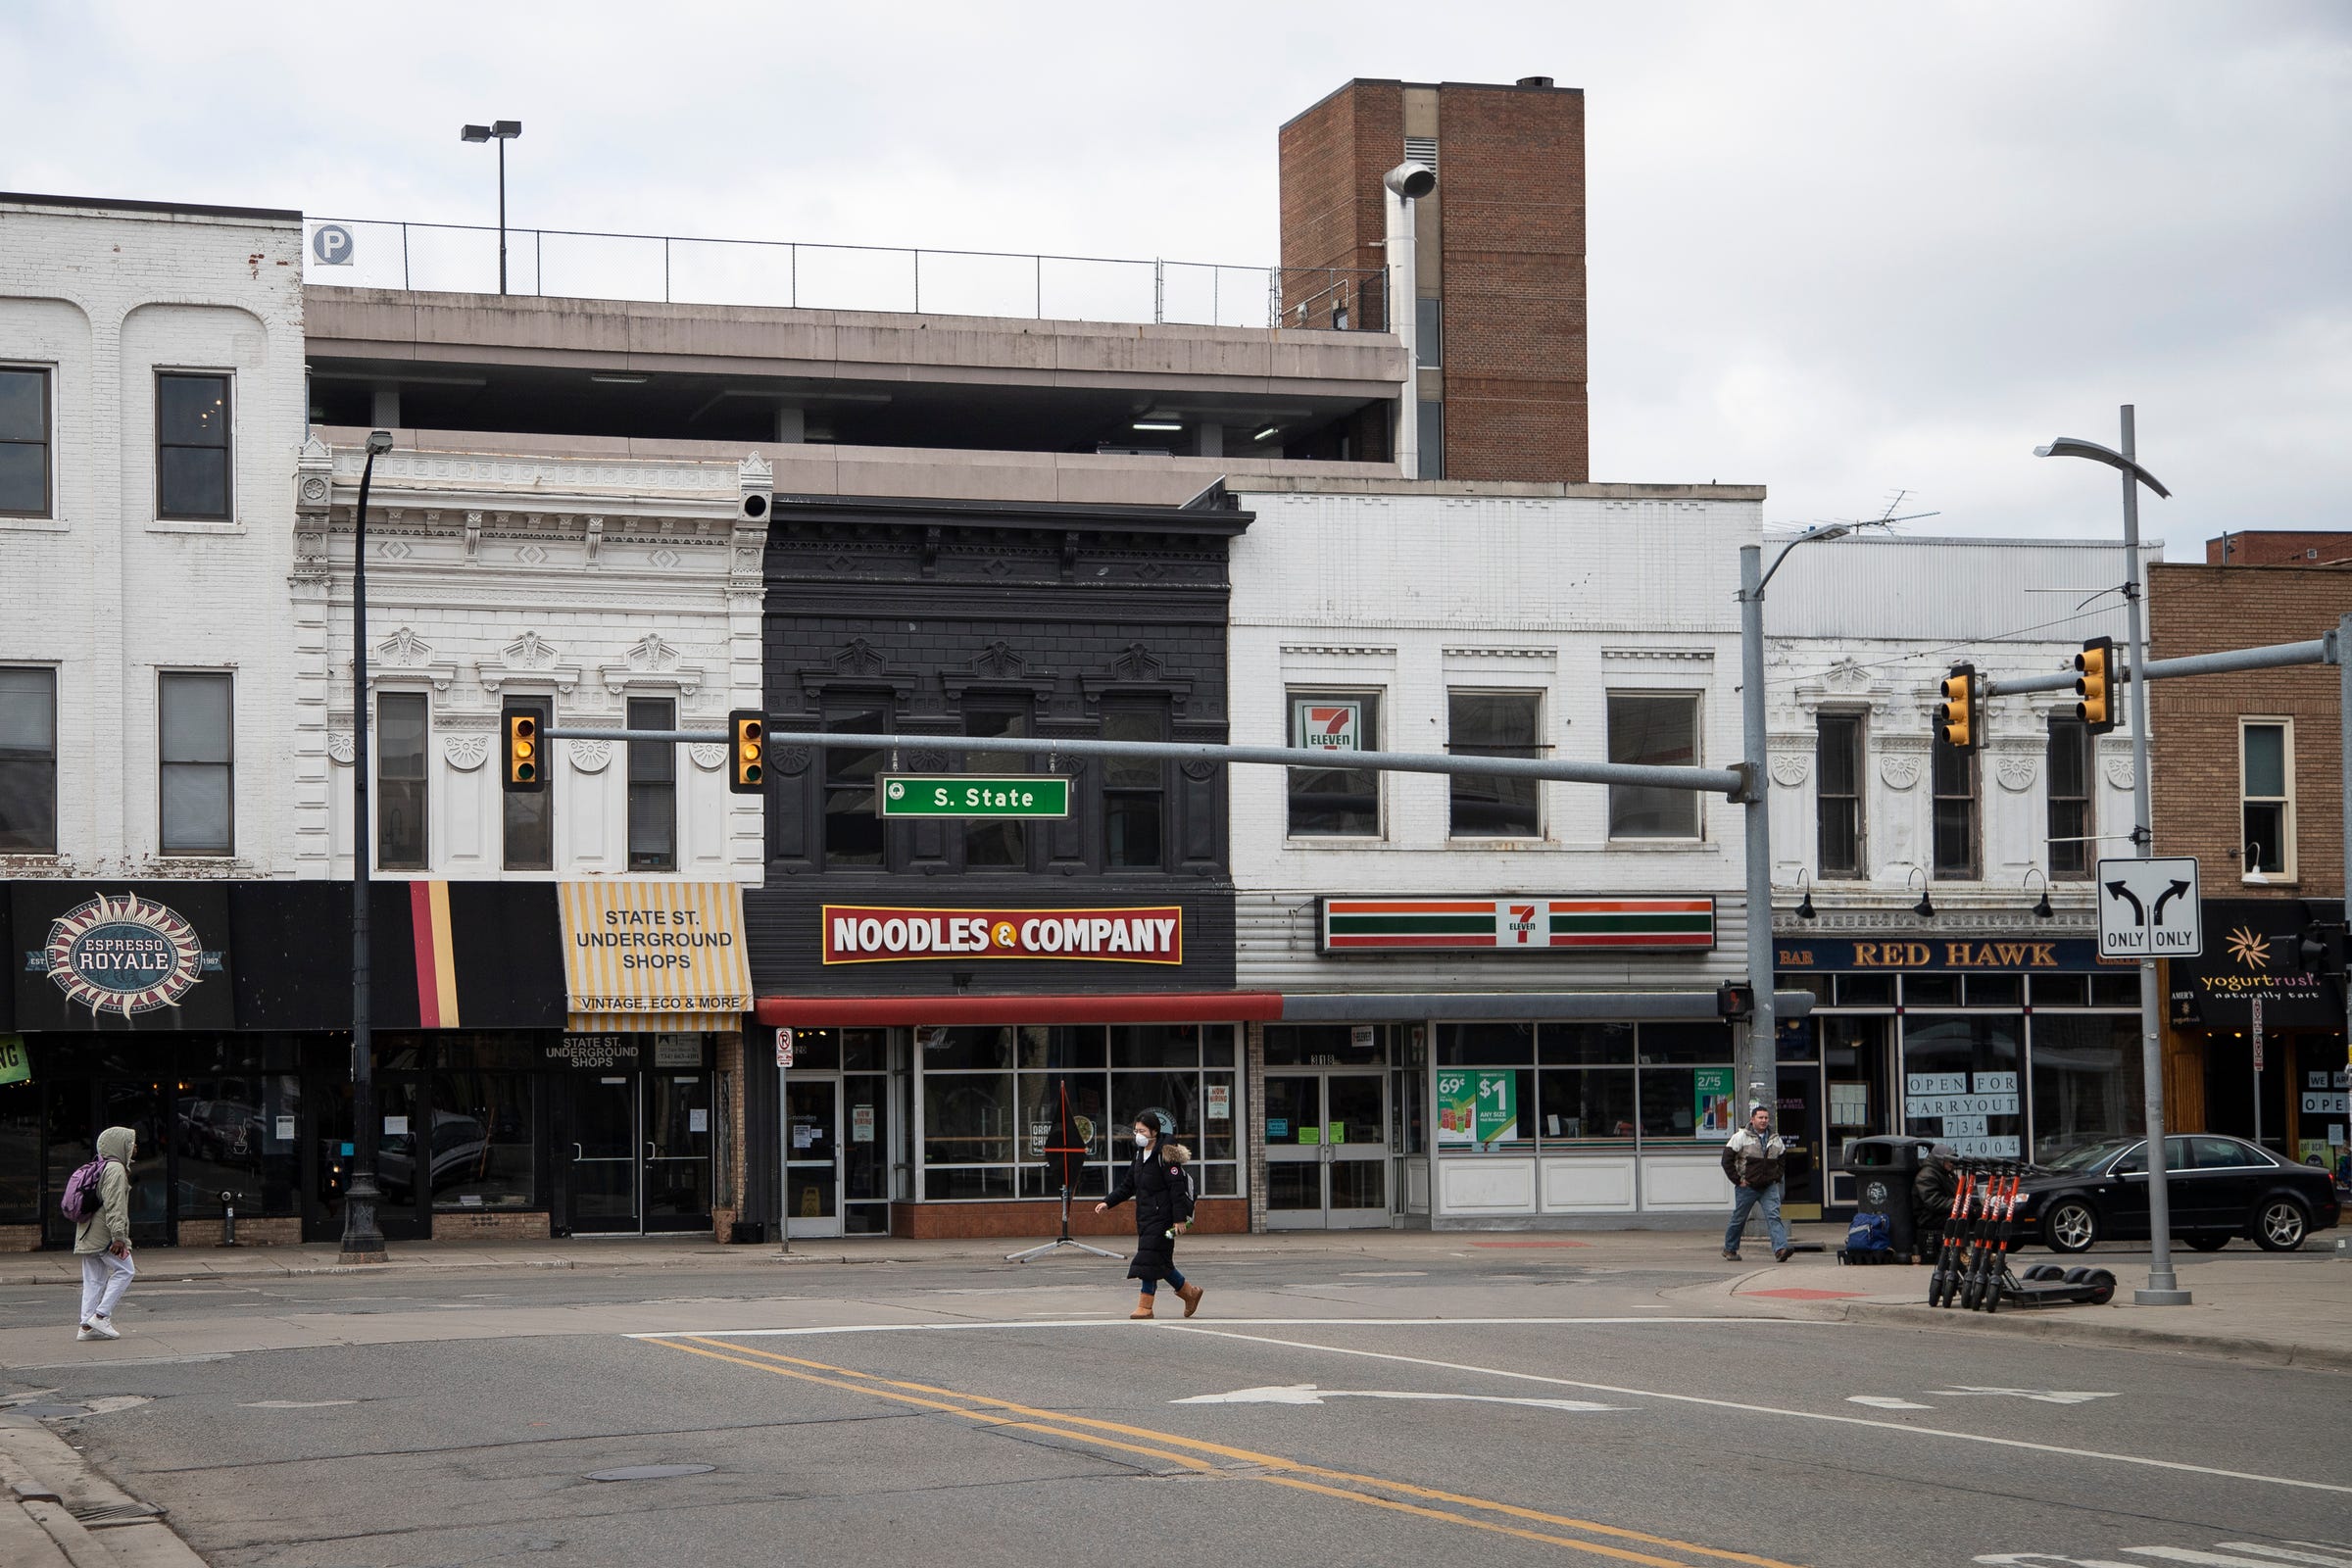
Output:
x=1066 y=1151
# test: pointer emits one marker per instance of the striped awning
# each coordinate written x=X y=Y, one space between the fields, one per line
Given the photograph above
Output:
x=655 y=956
x=1518 y=924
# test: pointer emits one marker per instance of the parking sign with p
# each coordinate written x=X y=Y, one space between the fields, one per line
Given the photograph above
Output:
x=331 y=244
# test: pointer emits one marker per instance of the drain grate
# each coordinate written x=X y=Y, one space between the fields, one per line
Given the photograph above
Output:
x=651 y=1472
x=110 y=1515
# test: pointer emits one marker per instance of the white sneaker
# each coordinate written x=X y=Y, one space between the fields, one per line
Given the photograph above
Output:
x=102 y=1329
x=85 y=1331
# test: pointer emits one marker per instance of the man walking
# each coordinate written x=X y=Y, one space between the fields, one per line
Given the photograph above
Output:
x=102 y=1239
x=1753 y=1162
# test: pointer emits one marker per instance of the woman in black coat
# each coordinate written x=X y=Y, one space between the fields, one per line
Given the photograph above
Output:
x=1162 y=1190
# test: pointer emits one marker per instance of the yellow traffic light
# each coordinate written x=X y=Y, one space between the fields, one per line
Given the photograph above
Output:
x=2095 y=684
x=525 y=771
x=1956 y=714
x=748 y=770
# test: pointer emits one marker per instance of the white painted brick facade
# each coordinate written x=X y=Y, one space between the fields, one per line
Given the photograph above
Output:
x=100 y=590
x=586 y=582
x=1413 y=594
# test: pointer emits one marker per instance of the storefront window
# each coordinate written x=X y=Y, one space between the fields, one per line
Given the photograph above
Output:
x=1322 y=1045
x=481 y=1140
x=1686 y=1082
x=19 y=1146
x=1961 y=1084
x=2087 y=1081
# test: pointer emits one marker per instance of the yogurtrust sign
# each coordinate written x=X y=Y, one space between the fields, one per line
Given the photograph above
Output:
x=882 y=934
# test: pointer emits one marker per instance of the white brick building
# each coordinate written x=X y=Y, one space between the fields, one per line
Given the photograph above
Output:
x=618 y=593
x=1472 y=940
x=152 y=358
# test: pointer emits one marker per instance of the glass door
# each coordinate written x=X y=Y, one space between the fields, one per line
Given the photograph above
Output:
x=811 y=1155
x=1327 y=1149
x=603 y=1154
x=677 y=1151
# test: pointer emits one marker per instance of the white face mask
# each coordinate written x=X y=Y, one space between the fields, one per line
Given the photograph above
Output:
x=1143 y=1139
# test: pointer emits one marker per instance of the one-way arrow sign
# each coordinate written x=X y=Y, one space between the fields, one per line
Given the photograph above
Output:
x=2149 y=909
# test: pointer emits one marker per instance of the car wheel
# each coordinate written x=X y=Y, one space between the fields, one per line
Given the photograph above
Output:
x=2209 y=1241
x=2071 y=1227
x=2282 y=1225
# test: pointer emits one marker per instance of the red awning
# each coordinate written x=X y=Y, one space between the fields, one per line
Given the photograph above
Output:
x=1170 y=1006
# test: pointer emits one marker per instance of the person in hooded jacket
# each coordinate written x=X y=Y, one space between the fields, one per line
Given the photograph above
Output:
x=103 y=1241
x=1932 y=1200
x=1163 y=1206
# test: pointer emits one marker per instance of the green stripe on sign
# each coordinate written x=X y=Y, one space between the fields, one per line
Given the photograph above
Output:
x=1568 y=925
x=1364 y=925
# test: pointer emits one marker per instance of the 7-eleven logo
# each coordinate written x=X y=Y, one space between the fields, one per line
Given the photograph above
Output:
x=1330 y=726
x=1521 y=926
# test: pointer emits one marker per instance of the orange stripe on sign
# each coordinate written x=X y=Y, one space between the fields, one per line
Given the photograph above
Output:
x=1412 y=907
x=445 y=958
x=420 y=939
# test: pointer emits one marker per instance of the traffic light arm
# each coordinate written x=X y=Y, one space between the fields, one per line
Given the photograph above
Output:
x=2318 y=651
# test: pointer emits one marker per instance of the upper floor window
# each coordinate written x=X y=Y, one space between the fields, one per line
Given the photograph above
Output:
x=403 y=723
x=2068 y=770
x=996 y=843
x=1337 y=801
x=192 y=447
x=1135 y=791
x=2267 y=794
x=529 y=817
x=27 y=762
x=1954 y=792
x=25 y=423
x=196 y=758
x=1837 y=795
x=1494 y=806
x=1429 y=331
x=1658 y=729
x=653 y=787
x=853 y=832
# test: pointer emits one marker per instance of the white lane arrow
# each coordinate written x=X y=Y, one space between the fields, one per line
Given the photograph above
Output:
x=1309 y=1394
x=1884 y=1402
x=2040 y=1395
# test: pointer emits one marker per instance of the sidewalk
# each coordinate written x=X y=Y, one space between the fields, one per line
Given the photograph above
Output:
x=57 y=1512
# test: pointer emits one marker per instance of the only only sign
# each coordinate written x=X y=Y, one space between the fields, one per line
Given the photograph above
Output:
x=2149 y=909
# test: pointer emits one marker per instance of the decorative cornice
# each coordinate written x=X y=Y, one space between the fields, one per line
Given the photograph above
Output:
x=1667 y=655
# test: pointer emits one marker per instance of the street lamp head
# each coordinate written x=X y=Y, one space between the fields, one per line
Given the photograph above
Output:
x=2067 y=446
x=380 y=442
x=473 y=132
x=1828 y=531
x=506 y=129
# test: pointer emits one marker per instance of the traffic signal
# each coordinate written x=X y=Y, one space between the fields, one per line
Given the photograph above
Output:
x=526 y=769
x=747 y=730
x=1956 y=714
x=1735 y=1001
x=2095 y=684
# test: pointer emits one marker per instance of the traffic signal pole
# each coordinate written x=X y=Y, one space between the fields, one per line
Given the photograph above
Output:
x=1762 y=1056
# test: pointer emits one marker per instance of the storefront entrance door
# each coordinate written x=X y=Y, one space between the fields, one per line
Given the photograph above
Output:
x=812 y=1156
x=1327 y=1149
x=603 y=1154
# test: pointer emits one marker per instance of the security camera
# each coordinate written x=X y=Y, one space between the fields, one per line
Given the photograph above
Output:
x=1410 y=181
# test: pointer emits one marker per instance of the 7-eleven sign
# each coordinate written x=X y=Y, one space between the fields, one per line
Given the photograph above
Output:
x=1518 y=927
x=1327 y=725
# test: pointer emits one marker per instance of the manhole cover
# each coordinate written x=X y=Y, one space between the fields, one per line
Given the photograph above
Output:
x=649 y=1472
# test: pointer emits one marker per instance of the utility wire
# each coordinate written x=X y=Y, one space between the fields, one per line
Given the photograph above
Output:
x=1944 y=648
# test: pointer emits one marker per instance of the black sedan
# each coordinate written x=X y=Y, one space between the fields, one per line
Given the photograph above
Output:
x=2218 y=1188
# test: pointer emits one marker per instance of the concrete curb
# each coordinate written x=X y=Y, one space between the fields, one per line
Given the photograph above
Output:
x=2059 y=1326
x=77 y=1517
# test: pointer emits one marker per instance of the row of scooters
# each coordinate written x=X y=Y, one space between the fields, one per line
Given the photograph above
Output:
x=1971 y=1264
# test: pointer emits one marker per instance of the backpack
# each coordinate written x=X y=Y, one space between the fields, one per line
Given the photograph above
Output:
x=1869 y=1233
x=82 y=1195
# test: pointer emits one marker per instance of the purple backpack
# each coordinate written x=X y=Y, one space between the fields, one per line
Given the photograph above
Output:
x=82 y=1198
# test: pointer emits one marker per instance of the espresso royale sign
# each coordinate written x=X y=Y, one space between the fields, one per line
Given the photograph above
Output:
x=858 y=933
x=130 y=957
x=1518 y=925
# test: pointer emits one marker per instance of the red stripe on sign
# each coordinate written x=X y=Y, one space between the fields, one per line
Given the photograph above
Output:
x=420 y=935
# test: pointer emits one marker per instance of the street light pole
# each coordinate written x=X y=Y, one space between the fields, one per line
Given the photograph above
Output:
x=501 y=131
x=363 y=1235
x=2164 y=1285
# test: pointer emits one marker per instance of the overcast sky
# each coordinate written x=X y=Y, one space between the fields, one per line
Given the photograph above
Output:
x=1839 y=250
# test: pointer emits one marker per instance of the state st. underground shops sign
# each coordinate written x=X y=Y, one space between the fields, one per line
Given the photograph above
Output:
x=125 y=955
x=879 y=934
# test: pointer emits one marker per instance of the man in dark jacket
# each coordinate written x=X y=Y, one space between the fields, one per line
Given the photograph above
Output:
x=1163 y=1206
x=1753 y=1162
x=1932 y=1200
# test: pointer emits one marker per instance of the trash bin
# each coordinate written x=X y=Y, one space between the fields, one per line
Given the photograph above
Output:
x=1882 y=1169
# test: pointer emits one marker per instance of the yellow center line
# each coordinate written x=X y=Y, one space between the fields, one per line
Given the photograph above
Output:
x=1478 y=1524
x=934 y=1398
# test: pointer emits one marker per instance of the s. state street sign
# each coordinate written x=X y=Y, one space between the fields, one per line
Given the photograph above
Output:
x=973 y=794
x=2149 y=908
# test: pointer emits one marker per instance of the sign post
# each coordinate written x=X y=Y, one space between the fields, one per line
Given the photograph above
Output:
x=2258 y=1072
x=784 y=1107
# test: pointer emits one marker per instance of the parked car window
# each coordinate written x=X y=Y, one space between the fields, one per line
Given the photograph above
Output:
x=2084 y=1157
x=2223 y=1154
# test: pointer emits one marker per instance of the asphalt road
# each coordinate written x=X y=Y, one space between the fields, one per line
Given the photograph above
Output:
x=1320 y=1408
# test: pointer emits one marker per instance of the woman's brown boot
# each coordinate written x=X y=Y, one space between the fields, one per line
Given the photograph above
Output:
x=1143 y=1306
x=1190 y=1294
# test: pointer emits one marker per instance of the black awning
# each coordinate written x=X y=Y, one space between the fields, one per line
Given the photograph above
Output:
x=2253 y=952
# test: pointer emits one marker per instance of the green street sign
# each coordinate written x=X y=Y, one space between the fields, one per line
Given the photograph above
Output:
x=16 y=1065
x=972 y=795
